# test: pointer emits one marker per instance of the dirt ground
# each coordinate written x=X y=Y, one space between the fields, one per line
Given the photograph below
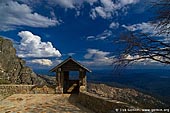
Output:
x=41 y=103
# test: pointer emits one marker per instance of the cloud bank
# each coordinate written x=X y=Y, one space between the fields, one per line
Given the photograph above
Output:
x=14 y=14
x=32 y=46
x=105 y=9
x=153 y=29
x=44 y=62
x=108 y=8
x=97 y=58
x=103 y=36
x=70 y=3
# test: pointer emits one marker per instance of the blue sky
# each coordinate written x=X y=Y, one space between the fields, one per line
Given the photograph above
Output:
x=45 y=32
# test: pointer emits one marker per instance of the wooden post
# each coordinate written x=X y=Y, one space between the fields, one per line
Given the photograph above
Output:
x=82 y=80
x=80 y=77
x=62 y=81
x=59 y=88
x=66 y=81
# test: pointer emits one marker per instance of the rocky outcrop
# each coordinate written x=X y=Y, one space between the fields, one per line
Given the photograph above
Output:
x=12 y=68
x=126 y=95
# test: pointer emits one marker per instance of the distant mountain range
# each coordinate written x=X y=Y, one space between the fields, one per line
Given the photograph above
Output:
x=151 y=81
x=126 y=95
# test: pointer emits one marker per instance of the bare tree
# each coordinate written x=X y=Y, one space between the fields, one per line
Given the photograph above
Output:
x=163 y=15
x=141 y=46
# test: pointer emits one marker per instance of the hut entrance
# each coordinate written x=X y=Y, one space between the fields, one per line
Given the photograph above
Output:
x=70 y=76
x=71 y=82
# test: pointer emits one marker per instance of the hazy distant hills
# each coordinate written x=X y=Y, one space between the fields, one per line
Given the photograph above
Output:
x=126 y=95
x=155 y=82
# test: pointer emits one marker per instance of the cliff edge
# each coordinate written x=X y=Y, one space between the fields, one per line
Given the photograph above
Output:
x=12 y=68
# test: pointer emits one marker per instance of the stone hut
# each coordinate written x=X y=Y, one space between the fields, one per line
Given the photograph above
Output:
x=63 y=82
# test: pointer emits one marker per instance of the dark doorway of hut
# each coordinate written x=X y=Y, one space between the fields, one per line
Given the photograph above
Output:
x=71 y=82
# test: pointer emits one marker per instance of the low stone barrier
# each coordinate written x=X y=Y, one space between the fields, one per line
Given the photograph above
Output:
x=26 y=89
x=100 y=104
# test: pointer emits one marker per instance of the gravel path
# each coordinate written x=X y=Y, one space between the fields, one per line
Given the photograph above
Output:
x=41 y=103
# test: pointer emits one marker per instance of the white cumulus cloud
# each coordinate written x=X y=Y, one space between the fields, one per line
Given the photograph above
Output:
x=145 y=61
x=99 y=8
x=95 y=57
x=104 y=35
x=32 y=46
x=108 y=8
x=101 y=11
x=44 y=62
x=70 y=3
x=114 y=25
x=105 y=9
x=149 y=28
x=95 y=54
x=145 y=27
x=126 y=2
x=62 y=3
x=14 y=14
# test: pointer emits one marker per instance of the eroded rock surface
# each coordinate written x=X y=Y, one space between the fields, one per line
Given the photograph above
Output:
x=12 y=68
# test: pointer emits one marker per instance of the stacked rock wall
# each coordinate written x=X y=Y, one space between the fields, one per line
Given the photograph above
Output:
x=25 y=89
x=100 y=104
